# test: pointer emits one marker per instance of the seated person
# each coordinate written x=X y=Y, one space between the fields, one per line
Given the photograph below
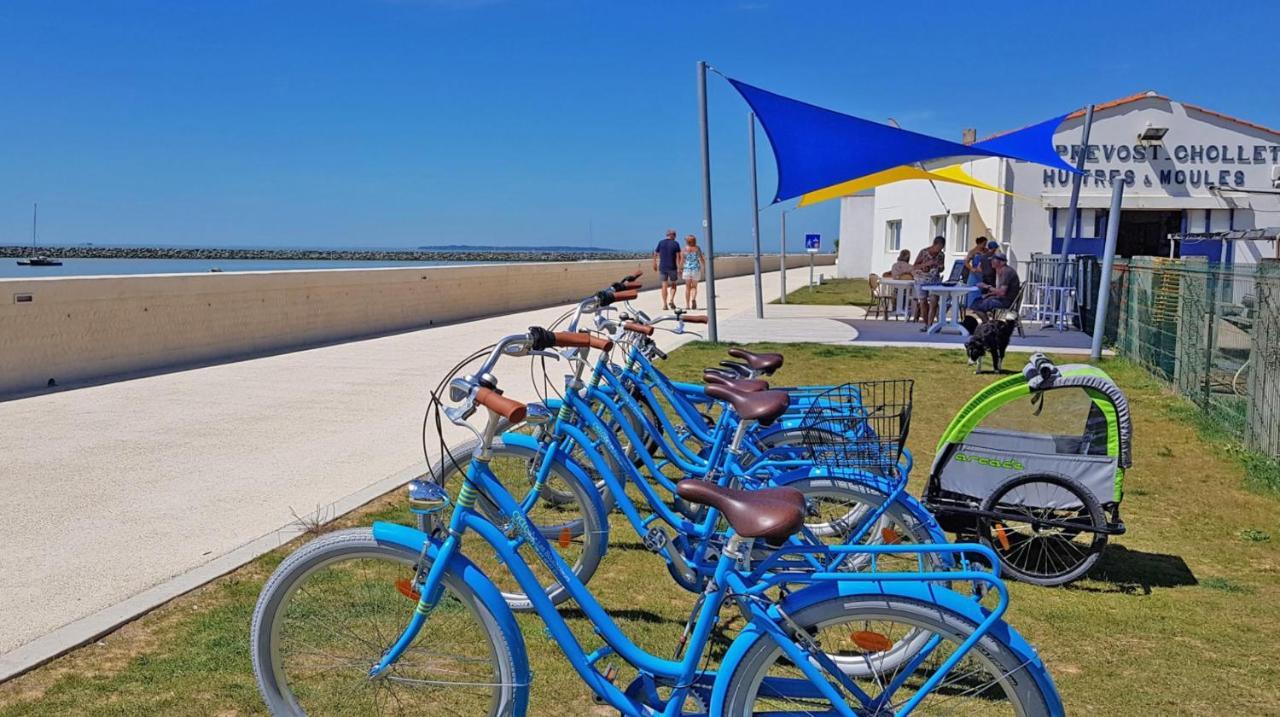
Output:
x=927 y=270
x=901 y=268
x=999 y=295
x=979 y=266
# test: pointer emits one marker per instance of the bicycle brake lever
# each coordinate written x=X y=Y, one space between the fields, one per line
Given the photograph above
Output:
x=547 y=354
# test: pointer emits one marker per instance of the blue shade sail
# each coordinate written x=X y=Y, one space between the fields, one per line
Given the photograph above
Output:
x=1033 y=144
x=816 y=148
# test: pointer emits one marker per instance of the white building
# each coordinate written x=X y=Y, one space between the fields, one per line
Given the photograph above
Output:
x=1182 y=182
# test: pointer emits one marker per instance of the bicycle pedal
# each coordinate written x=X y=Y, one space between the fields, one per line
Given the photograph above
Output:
x=611 y=676
x=656 y=539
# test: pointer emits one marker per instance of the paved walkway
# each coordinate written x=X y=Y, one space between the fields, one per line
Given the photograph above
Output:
x=121 y=496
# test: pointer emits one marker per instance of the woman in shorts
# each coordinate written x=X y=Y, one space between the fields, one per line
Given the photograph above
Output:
x=691 y=270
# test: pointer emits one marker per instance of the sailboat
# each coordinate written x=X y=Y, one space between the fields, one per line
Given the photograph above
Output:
x=36 y=259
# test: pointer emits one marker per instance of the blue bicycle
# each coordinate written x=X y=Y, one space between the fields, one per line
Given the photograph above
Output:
x=582 y=450
x=388 y=620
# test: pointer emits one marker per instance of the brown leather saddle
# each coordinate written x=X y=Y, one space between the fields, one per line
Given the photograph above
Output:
x=764 y=363
x=770 y=513
x=747 y=385
x=762 y=406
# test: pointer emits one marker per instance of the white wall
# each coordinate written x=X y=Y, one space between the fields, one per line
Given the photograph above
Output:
x=915 y=203
x=856 y=236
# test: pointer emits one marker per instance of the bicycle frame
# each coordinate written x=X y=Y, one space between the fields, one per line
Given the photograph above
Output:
x=682 y=672
x=727 y=471
x=747 y=591
x=682 y=396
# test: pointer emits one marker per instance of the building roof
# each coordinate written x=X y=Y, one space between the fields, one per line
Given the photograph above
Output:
x=1153 y=95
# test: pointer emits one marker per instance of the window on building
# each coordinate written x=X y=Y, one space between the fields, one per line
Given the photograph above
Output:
x=960 y=233
x=893 y=235
x=937 y=226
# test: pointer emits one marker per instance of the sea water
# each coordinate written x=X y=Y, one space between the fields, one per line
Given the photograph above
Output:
x=9 y=268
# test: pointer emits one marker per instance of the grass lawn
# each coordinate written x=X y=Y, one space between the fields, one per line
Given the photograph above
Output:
x=1179 y=617
x=832 y=292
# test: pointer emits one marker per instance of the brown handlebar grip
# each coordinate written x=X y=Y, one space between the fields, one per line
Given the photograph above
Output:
x=701 y=319
x=508 y=408
x=627 y=295
x=633 y=285
x=578 y=340
x=638 y=328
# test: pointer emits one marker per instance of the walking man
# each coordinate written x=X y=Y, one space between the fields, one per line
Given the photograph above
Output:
x=665 y=256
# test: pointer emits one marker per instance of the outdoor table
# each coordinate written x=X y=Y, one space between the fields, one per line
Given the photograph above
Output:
x=952 y=301
x=901 y=295
x=1058 y=306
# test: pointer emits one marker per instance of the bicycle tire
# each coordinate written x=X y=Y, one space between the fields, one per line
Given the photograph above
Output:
x=589 y=526
x=1013 y=670
x=359 y=543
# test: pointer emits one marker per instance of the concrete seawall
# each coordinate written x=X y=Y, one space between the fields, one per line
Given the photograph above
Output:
x=74 y=329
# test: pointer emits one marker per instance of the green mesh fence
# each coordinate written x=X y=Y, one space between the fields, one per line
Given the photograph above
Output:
x=1212 y=331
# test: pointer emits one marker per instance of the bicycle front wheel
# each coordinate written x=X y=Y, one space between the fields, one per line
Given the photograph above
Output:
x=994 y=678
x=331 y=610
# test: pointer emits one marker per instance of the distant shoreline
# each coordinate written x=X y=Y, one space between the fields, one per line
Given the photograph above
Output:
x=502 y=255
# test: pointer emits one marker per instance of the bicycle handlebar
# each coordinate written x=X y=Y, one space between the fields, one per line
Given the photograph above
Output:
x=609 y=297
x=578 y=340
x=508 y=408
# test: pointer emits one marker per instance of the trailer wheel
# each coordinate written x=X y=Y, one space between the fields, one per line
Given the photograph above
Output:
x=1045 y=528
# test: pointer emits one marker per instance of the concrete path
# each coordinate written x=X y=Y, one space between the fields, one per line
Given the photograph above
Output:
x=121 y=496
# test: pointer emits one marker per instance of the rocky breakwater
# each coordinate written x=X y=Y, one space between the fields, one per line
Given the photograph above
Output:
x=432 y=255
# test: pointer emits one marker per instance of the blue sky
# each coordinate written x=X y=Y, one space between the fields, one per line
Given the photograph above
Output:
x=408 y=122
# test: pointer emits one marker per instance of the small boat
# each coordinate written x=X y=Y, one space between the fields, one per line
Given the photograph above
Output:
x=36 y=259
x=39 y=260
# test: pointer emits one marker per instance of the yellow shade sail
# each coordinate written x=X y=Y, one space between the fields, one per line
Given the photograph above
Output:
x=953 y=174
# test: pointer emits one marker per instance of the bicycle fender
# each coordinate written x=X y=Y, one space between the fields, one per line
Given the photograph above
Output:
x=412 y=539
x=905 y=499
x=919 y=592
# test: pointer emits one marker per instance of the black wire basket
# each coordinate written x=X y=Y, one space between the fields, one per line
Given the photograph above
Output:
x=860 y=425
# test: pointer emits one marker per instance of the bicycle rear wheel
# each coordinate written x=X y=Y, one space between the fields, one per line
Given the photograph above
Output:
x=840 y=508
x=992 y=679
x=334 y=606
x=570 y=523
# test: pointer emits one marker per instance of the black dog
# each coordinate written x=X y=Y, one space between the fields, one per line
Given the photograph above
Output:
x=987 y=337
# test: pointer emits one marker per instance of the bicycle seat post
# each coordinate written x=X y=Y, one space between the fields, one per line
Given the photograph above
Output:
x=735 y=445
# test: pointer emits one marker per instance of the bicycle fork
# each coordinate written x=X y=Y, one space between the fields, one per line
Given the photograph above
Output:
x=431 y=588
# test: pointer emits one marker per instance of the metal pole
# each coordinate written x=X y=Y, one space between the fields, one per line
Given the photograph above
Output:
x=712 y=334
x=1074 y=204
x=755 y=213
x=782 y=260
x=811 y=270
x=1108 y=258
